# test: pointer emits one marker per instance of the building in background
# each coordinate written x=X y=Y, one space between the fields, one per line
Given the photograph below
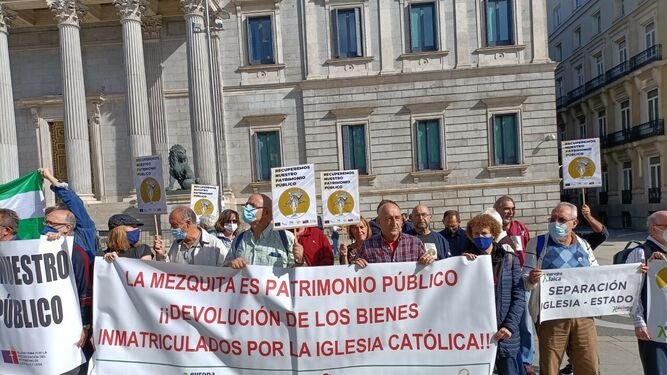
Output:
x=610 y=84
x=447 y=103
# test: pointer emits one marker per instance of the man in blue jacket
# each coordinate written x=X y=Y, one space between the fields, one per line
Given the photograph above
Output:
x=421 y=218
x=70 y=218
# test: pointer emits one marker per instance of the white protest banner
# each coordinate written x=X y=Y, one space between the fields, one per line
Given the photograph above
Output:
x=589 y=291
x=40 y=322
x=390 y=318
x=293 y=190
x=581 y=163
x=656 y=282
x=204 y=200
x=340 y=197
x=150 y=185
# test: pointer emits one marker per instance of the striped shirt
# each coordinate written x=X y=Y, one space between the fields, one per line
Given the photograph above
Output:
x=376 y=249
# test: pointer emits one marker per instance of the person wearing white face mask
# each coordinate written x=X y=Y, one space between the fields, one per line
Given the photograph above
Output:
x=483 y=230
x=561 y=248
x=192 y=244
x=653 y=354
x=227 y=226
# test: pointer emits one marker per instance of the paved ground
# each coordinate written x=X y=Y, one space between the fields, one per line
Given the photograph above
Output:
x=616 y=338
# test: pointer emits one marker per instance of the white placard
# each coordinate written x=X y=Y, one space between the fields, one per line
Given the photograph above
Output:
x=41 y=320
x=149 y=185
x=385 y=318
x=656 y=282
x=581 y=163
x=293 y=190
x=340 y=197
x=589 y=291
x=204 y=200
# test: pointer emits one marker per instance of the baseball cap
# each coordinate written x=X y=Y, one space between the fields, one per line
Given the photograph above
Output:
x=123 y=219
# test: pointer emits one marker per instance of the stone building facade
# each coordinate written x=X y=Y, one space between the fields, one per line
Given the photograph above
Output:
x=444 y=102
x=610 y=84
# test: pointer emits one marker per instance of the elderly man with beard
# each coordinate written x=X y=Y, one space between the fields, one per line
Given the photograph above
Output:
x=421 y=218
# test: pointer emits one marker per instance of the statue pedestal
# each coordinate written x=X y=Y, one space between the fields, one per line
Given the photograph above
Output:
x=178 y=198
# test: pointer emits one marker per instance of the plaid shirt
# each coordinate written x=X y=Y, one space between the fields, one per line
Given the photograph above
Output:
x=376 y=249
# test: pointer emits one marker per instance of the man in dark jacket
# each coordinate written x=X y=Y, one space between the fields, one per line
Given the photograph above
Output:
x=70 y=218
x=421 y=218
x=455 y=235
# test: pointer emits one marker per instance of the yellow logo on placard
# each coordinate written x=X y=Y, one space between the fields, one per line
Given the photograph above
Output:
x=150 y=190
x=293 y=202
x=581 y=167
x=340 y=203
x=203 y=207
x=661 y=279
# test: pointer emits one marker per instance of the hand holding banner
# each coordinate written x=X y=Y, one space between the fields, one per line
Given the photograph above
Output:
x=41 y=322
x=386 y=317
x=589 y=291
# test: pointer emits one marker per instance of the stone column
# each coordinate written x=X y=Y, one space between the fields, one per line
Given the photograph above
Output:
x=77 y=147
x=199 y=90
x=9 y=168
x=131 y=12
x=219 y=111
x=152 y=47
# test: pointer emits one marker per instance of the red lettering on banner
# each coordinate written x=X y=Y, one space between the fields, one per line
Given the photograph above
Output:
x=249 y=286
x=230 y=288
x=304 y=350
x=280 y=287
x=329 y=348
x=265 y=348
x=296 y=319
x=437 y=341
x=137 y=281
x=373 y=315
x=332 y=318
x=402 y=283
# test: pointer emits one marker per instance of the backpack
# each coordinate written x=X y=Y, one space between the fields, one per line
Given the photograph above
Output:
x=622 y=256
x=283 y=239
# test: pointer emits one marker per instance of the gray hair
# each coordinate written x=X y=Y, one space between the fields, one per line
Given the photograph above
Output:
x=69 y=216
x=206 y=222
x=494 y=214
x=573 y=209
x=652 y=218
x=184 y=213
x=9 y=219
x=501 y=200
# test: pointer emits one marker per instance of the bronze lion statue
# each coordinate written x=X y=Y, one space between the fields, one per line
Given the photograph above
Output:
x=179 y=170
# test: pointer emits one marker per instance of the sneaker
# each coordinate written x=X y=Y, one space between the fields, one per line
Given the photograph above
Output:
x=567 y=370
x=529 y=369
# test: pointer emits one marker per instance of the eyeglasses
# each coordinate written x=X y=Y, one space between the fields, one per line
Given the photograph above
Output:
x=421 y=215
x=391 y=219
x=253 y=206
x=560 y=220
x=54 y=224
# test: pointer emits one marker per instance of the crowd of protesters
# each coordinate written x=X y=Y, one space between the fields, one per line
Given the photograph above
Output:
x=517 y=261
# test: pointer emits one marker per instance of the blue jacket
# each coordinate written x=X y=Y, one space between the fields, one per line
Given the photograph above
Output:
x=83 y=253
x=440 y=244
x=458 y=241
x=510 y=302
x=510 y=299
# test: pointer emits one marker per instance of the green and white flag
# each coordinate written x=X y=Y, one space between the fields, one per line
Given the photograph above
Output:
x=24 y=195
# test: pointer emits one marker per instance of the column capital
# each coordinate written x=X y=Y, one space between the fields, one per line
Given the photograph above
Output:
x=67 y=12
x=193 y=7
x=131 y=9
x=152 y=27
x=6 y=17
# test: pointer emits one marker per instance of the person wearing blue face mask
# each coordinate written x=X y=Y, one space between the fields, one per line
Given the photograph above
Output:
x=509 y=291
x=123 y=241
x=561 y=248
x=192 y=244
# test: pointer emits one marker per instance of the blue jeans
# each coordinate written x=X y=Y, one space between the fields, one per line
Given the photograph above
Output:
x=527 y=353
x=507 y=366
x=653 y=356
